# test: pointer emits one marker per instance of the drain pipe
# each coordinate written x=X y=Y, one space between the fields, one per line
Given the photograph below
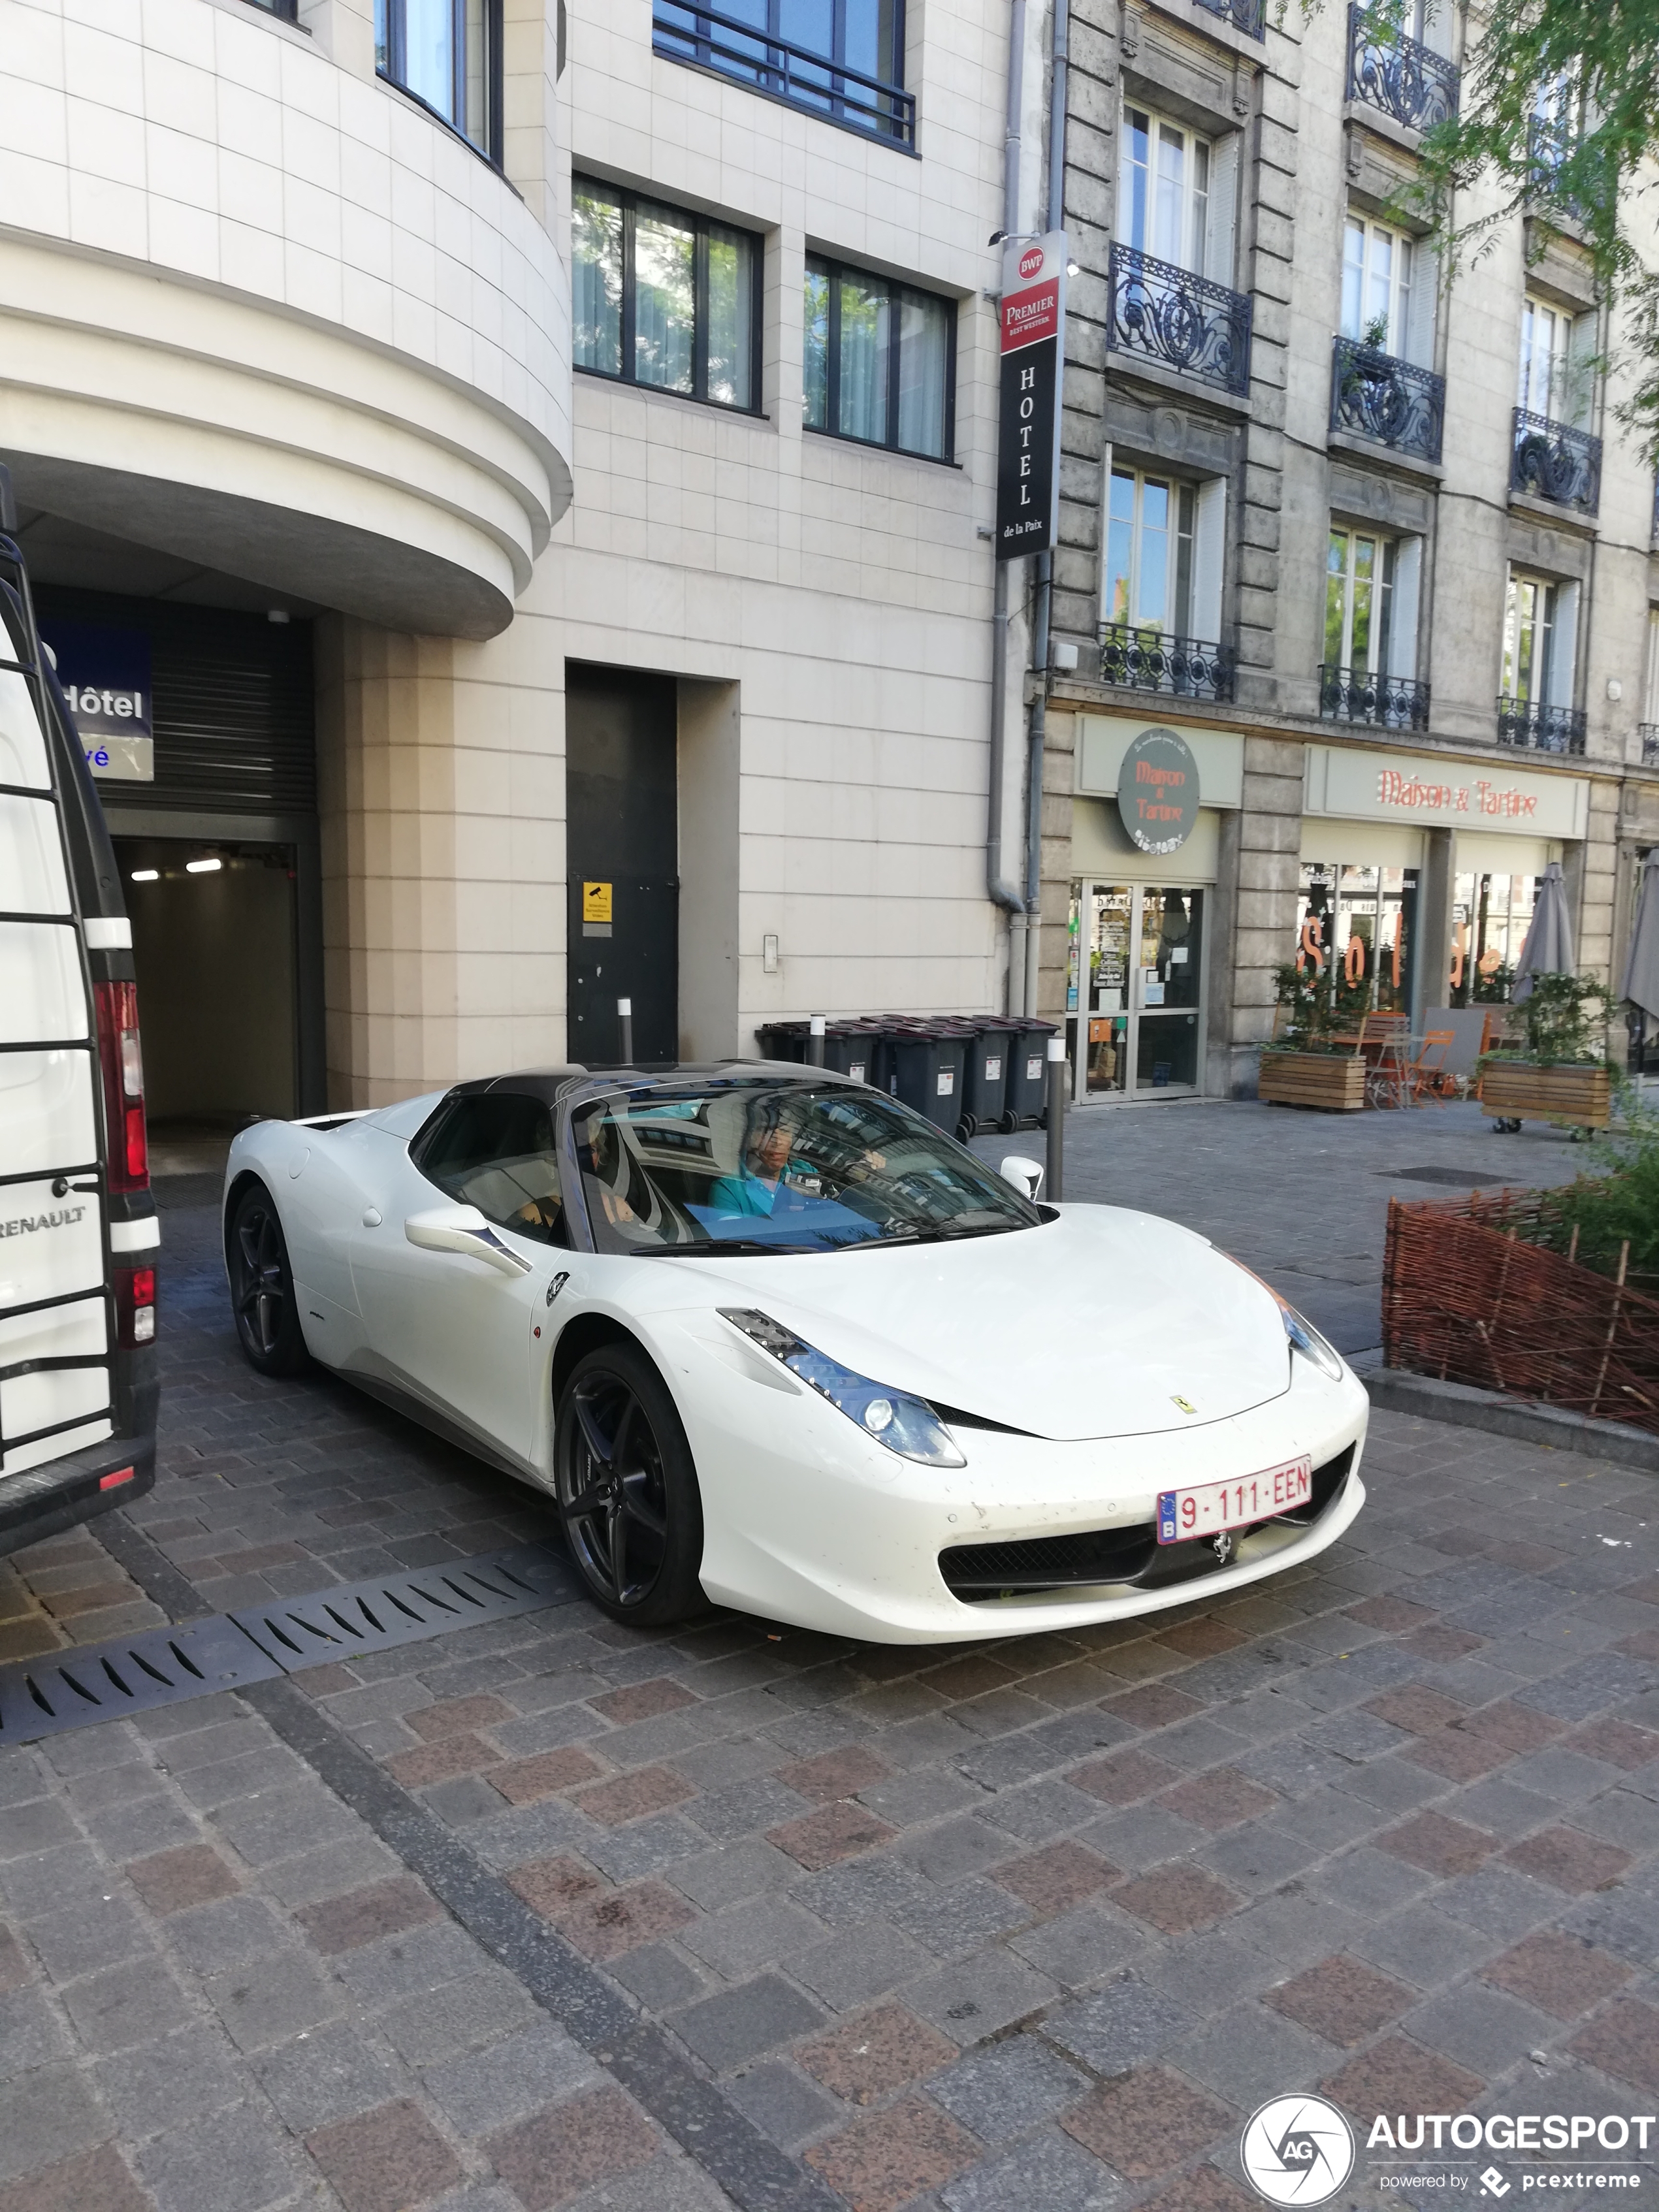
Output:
x=1058 y=59
x=1002 y=888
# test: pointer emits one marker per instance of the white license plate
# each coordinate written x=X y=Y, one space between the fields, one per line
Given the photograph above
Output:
x=1213 y=1506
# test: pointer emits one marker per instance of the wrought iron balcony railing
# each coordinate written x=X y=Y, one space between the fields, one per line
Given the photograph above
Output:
x=1399 y=75
x=1392 y=401
x=1543 y=729
x=1152 y=660
x=1649 y=733
x=784 y=68
x=1249 y=16
x=1167 y=315
x=1553 y=461
x=1387 y=702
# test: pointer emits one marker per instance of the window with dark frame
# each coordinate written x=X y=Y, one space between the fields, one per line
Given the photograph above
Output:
x=447 y=54
x=663 y=298
x=879 y=361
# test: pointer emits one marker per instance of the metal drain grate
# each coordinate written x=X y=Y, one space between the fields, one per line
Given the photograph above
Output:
x=106 y=1681
x=77 y=1687
x=372 y=1616
x=1456 y=1178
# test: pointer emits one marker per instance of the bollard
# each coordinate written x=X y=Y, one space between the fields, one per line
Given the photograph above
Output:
x=625 y=1023
x=1055 y=1118
x=815 y=1042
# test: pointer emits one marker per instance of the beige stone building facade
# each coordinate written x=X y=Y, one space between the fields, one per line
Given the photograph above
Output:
x=528 y=466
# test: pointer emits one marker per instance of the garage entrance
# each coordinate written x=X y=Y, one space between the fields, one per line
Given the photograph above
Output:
x=623 y=862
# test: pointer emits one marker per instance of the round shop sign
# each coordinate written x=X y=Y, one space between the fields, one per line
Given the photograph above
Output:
x=1157 y=791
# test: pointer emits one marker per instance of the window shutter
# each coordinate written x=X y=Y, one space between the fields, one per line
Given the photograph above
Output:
x=1101 y=613
x=1220 y=217
x=1437 y=27
x=1419 y=310
x=1583 y=336
x=1403 y=627
x=1563 y=657
x=1209 y=559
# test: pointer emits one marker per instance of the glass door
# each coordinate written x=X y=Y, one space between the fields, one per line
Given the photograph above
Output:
x=1141 y=1021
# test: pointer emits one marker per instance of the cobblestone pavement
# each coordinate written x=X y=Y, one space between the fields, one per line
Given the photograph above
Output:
x=549 y=1913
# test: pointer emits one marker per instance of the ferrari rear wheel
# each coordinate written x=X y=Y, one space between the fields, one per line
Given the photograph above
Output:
x=626 y=1489
x=262 y=1286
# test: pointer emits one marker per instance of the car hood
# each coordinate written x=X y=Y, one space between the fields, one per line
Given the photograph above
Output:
x=1100 y=1322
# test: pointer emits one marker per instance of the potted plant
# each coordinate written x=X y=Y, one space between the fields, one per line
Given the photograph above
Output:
x=1310 y=1062
x=1559 y=1074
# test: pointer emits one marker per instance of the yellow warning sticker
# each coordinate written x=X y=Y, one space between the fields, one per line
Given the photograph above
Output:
x=596 y=901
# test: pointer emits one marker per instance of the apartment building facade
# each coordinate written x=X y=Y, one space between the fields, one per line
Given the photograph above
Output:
x=514 y=479
x=1363 y=529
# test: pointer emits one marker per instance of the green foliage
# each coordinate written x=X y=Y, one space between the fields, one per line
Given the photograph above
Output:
x=1562 y=1015
x=1559 y=118
x=1320 y=1004
x=1492 y=990
x=1618 y=1206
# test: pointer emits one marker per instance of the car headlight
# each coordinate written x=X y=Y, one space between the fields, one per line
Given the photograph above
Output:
x=904 y=1424
x=1303 y=1336
x=1306 y=1340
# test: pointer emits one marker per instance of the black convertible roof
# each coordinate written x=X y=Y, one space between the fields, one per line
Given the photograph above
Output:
x=553 y=1083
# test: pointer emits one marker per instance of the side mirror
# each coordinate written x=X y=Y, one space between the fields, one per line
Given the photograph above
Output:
x=1025 y=1174
x=463 y=1228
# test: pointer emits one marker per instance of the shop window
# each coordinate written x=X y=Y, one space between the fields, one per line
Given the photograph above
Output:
x=1358 y=932
x=880 y=360
x=664 y=299
x=1491 y=916
x=1165 y=543
x=1137 y=988
x=1177 y=193
x=1387 y=291
x=447 y=53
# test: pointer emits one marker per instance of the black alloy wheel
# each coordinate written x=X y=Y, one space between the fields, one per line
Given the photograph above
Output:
x=626 y=1489
x=262 y=1286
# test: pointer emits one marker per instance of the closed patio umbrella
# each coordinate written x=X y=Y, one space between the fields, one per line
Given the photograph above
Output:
x=1548 y=948
x=1641 y=983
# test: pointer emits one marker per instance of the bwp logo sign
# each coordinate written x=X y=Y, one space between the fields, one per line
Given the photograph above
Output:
x=1297 y=2150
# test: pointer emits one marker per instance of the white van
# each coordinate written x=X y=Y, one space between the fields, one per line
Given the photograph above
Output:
x=78 y=1232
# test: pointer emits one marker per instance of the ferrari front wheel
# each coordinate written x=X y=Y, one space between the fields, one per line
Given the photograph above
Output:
x=626 y=1489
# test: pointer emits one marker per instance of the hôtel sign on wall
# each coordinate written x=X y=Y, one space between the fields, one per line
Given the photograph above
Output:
x=1033 y=355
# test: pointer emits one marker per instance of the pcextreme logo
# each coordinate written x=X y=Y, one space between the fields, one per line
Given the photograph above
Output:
x=1302 y=2149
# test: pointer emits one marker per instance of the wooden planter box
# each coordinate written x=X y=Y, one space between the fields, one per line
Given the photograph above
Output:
x=1466 y=1297
x=1520 y=1091
x=1333 y=1082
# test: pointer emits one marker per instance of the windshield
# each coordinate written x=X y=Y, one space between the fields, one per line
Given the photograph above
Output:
x=749 y=1165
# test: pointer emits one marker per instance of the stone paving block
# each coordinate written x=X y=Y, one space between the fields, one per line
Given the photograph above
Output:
x=884 y=2161
x=658 y=1975
x=860 y=1963
x=739 y=2023
x=1175 y=1898
x=645 y=1847
x=738 y=1811
x=1034 y=1812
x=387 y=2160
x=92 y=2181
x=782 y=2105
x=316 y=2078
x=1480 y=2028
x=29 y=2033
x=364 y=1915
x=1248 y=2054
x=1498 y=1900
x=1570 y=1860
x=1047 y=2174
x=605 y=1926
x=838 y=1831
x=1007 y=2087
x=423 y=1958
x=1147 y=2121
x=1624 y=2041
x=1398 y=2076
x=953 y=1848
x=271 y=1999
x=1052 y=1881
x=169 y=1882
x=1561 y=1974
x=1422 y=1945
x=1341 y=2000
x=865 y=2058
x=1122 y=2026
x=848 y=1773
x=241 y=2156
x=725 y=1876
x=440 y=2024
x=208 y=1937
x=125 y=2006
x=98 y=1932
x=594 y=2137
x=982 y=1994
x=751 y=1935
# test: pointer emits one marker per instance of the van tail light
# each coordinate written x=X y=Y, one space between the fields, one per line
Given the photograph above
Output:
x=124 y=1085
x=134 y=1307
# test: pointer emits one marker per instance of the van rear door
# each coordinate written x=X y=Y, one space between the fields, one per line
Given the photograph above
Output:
x=55 y=1351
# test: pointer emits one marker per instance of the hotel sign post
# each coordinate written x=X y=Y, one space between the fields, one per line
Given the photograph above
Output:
x=1033 y=360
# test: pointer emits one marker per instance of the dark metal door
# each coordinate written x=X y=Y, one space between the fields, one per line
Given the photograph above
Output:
x=622 y=860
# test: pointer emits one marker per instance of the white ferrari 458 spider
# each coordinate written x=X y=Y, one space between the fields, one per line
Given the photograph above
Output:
x=766 y=1337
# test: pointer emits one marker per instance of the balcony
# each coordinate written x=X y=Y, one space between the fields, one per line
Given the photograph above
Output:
x=1392 y=403
x=1552 y=461
x=1384 y=702
x=1168 y=316
x=1249 y=16
x=784 y=70
x=1649 y=733
x=1397 y=75
x=1152 y=660
x=1540 y=728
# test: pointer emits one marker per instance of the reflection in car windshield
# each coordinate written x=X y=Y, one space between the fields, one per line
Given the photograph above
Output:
x=754 y=1166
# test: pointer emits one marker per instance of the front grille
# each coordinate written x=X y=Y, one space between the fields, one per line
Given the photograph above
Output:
x=1132 y=1555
